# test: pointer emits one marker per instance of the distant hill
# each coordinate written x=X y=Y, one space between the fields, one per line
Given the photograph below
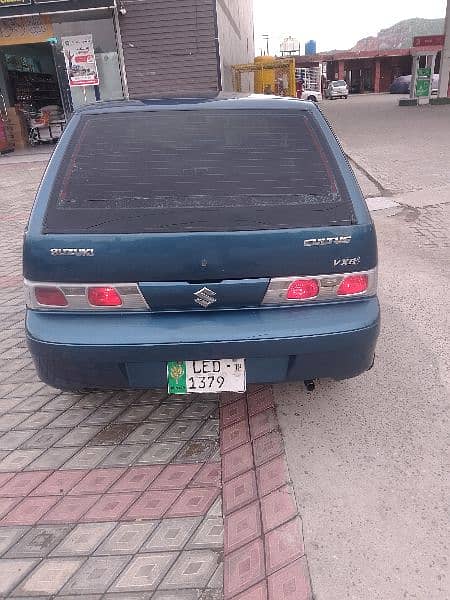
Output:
x=401 y=35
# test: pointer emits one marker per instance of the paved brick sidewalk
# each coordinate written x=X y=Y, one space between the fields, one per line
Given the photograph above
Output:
x=119 y=494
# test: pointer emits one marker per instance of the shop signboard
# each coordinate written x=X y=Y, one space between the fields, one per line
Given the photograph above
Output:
x=427 y=41
x=80 y=60
x=14 y=2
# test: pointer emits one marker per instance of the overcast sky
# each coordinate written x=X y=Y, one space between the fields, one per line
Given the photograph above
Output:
x=335 y=25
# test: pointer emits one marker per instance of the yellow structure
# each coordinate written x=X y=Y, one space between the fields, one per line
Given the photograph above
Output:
x=272 y=75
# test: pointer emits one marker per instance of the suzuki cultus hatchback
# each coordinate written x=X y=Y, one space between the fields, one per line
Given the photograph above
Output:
x=200 y=245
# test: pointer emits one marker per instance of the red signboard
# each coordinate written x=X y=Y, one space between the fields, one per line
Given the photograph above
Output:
x=423 y=41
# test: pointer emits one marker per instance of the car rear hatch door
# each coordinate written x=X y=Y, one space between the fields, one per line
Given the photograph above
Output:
x=199 y=207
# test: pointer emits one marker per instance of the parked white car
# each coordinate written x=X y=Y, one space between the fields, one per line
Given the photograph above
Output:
x=337 y=89
x=312 y=95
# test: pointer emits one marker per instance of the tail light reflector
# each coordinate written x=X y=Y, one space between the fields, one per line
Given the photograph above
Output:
x=50 y=296
x=353 y=284
x=302 y=289
x=104 y=296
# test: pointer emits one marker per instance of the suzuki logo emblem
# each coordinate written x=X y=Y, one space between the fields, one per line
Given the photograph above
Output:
x=205 y=297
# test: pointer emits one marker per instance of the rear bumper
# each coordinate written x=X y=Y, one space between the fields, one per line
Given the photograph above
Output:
x=131 y=351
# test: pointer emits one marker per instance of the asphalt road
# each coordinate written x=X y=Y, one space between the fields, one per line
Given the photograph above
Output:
x=369 y=457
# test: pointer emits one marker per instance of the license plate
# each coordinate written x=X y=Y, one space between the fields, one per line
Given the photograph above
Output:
x=206 y=376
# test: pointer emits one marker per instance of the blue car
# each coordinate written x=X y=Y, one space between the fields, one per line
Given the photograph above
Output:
x=199 y=245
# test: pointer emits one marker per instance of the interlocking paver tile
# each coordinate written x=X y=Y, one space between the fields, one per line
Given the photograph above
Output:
x=291 y=582
x=112 y=435
x=4 y=477
x=210 y=430
x=193 y=569
x=262 y=423
x=208 y=535
x=181 y=429
x=144 y=572
x=216 y=508
x=51 y=459
x=150 y=396
x=243 y=568
x=83 y=539
x=38 y=419
x=160 y=453
x=239 y=492
x=171 y=534
x=96 y=574
x=6 y=504
x=125 y=596
x=152 y=505
x=9 y=536
x=62 y=402
x=29 y=510
x=196 y=451
x=10 y=420
x=234 y=436
x=146 y=433
x=199 y=410
x=272 y=475
x=177 y=595
x=78 y=436
x=209 y=594
x=13 y=571
x=123 y=456
x=39 y=541
x=127 y=538
x=69 y=509
x=168 y=411
x=193 y=502
x=72 y=417
x=209 y=475
x=137 y=479
x=110 y=507
x=7 y=404
x=96 y=482
x=267 y=447
x=237 y=462
x=136 y=414
x=216 y=581
x=103 y=415
x=284 y=545
x=31 y=404
x=32 y=389
x=58 y=483
x=242 y=527
x=257 y=592
x=88 y=458
x=44 y=438
x=23 y=483
x=93 y=400
x=174 y=477
x=234 y=412
x=278 y=507
x=19 y=459
x=260 y=400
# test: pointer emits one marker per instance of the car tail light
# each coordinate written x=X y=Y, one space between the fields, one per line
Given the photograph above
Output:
x=84 y=296
x=302 y=289
x=353 y=284
x=50 y=296
x=104 y=296
x=320 y=288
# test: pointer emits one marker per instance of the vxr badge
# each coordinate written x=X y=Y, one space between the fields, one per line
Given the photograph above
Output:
x=205 y=297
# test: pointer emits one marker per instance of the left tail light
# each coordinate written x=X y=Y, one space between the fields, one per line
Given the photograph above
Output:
x=84 y=297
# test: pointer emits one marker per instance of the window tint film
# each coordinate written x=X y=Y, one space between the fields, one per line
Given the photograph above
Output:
x=198 y=170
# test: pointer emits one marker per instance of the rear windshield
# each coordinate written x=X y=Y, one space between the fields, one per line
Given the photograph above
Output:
x=339 y=83
x=197 y=170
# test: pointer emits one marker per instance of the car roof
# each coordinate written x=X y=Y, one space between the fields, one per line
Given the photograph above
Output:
x=219 y=100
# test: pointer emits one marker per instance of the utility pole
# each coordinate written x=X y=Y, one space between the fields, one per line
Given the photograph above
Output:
x=445 y=59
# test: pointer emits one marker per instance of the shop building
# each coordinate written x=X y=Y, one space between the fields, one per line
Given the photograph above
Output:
x=61 y=54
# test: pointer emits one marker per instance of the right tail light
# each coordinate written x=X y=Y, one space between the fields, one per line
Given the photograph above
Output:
x=296 y=290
